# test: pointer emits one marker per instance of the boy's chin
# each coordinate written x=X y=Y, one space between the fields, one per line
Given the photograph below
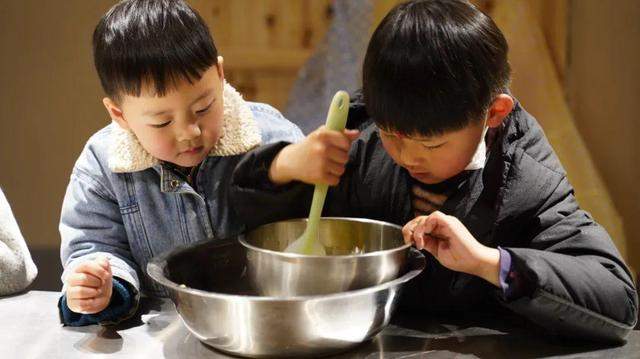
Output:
x=190 y=163
x=188 y=160
x=186 y=164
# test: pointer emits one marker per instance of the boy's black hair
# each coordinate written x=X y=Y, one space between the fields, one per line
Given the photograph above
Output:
x=433 y=66
x=154 y=42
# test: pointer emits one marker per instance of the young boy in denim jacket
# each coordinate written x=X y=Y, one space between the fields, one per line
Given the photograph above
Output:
x=456 y=160
x=158 y=176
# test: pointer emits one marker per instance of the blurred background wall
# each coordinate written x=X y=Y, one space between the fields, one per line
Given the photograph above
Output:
x=576 y=68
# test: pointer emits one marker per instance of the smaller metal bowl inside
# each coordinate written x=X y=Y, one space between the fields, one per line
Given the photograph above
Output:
x=361 y=253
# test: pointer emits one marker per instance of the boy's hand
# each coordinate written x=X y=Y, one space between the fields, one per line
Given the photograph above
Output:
x=449 y=241
x=89 y=287
x=319 y=159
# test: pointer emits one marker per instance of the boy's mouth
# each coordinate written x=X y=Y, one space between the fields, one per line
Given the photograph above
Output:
x=193 y=150
x=420 y=176
x=416 y=171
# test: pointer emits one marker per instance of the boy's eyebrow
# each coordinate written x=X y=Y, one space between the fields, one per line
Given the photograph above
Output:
x=413 y=138
x=419 y=138
x=161 y=112
x=153 y=114
x=429 y=140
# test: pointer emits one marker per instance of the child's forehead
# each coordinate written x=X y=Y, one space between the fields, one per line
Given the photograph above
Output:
x=171 y=84
x=175 y=91
x=149 y=87
x=150 y=97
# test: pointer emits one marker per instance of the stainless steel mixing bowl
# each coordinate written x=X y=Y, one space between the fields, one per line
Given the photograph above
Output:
x=208 y=284
x=276 y=273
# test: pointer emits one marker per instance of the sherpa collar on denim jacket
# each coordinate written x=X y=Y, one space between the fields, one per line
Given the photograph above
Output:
x=240 y=134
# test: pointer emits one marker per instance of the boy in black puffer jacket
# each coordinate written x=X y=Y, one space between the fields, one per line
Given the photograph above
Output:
x=453 y=157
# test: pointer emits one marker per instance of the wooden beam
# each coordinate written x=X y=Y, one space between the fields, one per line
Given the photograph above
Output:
x=236 y=58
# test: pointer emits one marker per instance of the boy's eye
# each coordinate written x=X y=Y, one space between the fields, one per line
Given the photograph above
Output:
x=161 y=125
x=204 y=110
x=432 y=147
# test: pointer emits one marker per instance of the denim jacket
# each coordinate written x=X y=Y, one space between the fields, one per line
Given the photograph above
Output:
x=128 y=206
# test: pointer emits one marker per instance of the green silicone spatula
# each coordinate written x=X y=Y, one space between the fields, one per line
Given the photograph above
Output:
x=309 y=243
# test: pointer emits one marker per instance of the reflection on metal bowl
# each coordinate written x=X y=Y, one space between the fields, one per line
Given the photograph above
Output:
x=381 y=255
x=208 y=284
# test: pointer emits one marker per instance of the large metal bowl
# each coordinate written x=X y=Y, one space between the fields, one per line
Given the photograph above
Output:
x=208 y=284
x=276 y=273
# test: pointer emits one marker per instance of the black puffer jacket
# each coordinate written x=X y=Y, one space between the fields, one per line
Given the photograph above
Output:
x=521 y=200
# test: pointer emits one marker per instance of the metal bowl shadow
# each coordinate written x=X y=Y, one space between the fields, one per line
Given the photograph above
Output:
x=208 y=284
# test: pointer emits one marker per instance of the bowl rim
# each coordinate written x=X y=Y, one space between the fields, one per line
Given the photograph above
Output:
x=156 y=266
x=244 y=242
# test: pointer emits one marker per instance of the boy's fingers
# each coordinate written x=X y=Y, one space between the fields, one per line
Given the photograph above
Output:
x=338 y=155
x=441 y=224
x=104 y=263
x=79 y=292
x=333 y=179
x=432 y=221
x=335 y=169
x=407 y=232
x=430 y=245
x=327 y=178
x=95 y=269
x=419 y=242
x=352 y=135
x=85 y=306
x=84 y=279
x=419 y=231
x=338 y=140
x=418 y=238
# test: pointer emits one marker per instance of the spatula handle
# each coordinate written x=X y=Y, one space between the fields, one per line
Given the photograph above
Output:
x=338 y=110
x=336 y=120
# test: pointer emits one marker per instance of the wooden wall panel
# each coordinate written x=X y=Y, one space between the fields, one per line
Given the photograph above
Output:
x=50 y=103
x=603 y=79
x=265 y=43
x=553 y=17
x=537 y=85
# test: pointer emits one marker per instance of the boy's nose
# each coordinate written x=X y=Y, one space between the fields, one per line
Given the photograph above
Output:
x=189 y=131
x=408 y=160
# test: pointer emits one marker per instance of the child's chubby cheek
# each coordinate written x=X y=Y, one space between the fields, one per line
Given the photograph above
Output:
x=448 y=167
x=159 y=147
x=212 y=135
x=212 y=129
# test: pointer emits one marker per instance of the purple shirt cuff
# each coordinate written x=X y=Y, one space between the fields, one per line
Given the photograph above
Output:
x=506 y=285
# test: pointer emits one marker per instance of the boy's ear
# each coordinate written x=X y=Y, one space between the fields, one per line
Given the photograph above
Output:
x=499 y=110
x=115 y=112
x=220 y=67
